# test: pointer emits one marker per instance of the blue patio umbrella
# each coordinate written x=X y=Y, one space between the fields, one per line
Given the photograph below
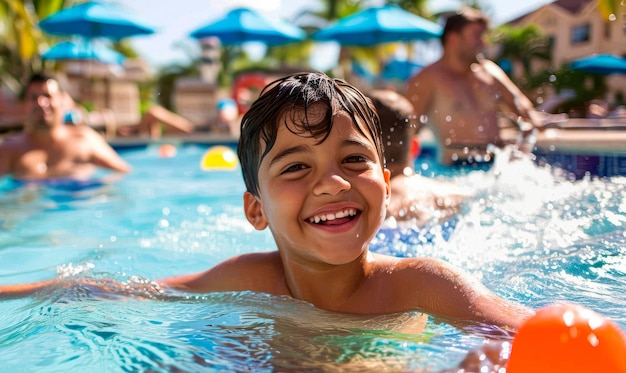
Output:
x=243 y=25
x=379 y=25
x=71 y=50
x=603 y=64
x=400 y=70
x=96 y=19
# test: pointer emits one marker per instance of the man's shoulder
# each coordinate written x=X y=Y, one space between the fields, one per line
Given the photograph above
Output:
x=429 y=73
x=85 y=132
x=433 y=68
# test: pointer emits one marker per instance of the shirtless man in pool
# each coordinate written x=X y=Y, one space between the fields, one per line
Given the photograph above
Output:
x=460 y=95
x=50 y=149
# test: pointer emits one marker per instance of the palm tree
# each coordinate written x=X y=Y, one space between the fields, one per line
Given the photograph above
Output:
x=414 y=6
x=522 y=44
x=609 y=8
x=333 y=10
x=21 y=38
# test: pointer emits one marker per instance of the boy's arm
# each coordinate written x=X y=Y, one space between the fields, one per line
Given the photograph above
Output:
x=134 y=287
x=461 y=300
x=260 y=272
x=14 y=291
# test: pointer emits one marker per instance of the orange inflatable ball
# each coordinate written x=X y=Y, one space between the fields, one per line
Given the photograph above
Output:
x=568 y=338
x=167 y=151
x=219 y=158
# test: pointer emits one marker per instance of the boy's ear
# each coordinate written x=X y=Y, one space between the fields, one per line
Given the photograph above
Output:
x=387 y=175
x=254 y=212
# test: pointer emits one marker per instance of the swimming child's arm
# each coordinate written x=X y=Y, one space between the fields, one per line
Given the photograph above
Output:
x=14 y=291
x=133 y=287
x=259 y=272
x=457 y=298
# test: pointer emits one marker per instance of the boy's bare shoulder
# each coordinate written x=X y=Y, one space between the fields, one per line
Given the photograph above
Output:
x=259 y=272
x=424 y=270
x=269 y=260
x=388 y=262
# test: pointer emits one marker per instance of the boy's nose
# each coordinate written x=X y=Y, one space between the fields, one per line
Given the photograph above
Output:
x=332 y=182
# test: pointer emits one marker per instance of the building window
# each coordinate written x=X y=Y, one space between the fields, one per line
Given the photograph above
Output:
x=581 y=34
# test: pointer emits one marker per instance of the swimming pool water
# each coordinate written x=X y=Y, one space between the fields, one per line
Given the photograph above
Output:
x=528 y=233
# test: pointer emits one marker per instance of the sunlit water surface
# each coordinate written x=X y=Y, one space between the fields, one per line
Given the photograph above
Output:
x=530 y=234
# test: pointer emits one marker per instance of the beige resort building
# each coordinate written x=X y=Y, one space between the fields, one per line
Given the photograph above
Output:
x=577 y=29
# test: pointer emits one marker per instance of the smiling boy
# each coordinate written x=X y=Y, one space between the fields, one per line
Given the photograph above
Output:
x=312 y=160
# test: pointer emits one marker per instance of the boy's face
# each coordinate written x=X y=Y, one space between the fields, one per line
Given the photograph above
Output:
x=322 y=202
x=44 y=103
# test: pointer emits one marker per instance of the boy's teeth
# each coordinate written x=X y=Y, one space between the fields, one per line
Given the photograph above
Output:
x=341 y=214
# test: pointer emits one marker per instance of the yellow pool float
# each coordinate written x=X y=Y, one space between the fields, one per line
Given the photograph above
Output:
x=219 y=158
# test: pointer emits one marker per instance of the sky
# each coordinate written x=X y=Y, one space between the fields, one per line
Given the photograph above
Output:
x=175 y=19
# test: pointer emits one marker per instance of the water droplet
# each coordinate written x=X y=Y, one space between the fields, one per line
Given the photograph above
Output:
x=568 y=318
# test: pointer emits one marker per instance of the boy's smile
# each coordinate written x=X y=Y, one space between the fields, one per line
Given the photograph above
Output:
x=329 y=197
x=332 y=219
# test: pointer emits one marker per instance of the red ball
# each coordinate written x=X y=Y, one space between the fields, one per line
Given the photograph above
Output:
x=568 y=338
x=167 y=151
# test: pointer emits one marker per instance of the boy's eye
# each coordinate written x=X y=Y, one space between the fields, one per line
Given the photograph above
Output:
x=356 y=159
x=294 y=168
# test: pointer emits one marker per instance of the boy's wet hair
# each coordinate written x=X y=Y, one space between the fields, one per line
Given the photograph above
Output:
x=463 y=17
x=288 y=101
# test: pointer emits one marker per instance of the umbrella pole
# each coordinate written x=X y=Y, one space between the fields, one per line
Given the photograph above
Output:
x=344 y=62
x=381 y=66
